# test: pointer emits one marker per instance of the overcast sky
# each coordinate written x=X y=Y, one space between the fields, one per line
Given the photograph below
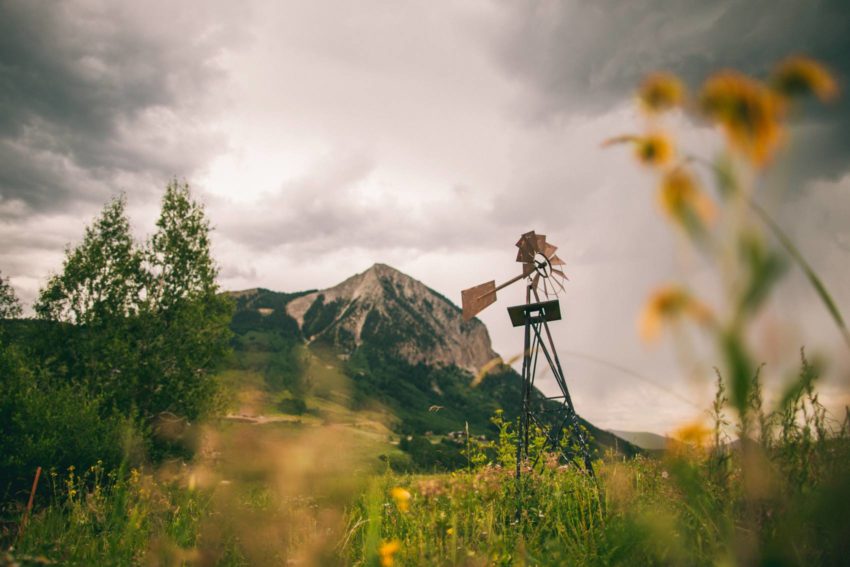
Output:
x=327 y=136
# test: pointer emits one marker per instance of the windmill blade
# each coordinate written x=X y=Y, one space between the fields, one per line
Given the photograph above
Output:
x=539 y=243
x=560 y=273
x=524 y=255
x=557 y=281
x=476 y=299
x=530 y=245
x=526 y=247
x=526 y=236
x=526 y=241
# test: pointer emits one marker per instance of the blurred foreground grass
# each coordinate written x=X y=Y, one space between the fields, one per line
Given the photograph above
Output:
x=268 y=488
x=278 y=494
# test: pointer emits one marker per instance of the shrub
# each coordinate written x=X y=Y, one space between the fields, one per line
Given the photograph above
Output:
x=49 y=424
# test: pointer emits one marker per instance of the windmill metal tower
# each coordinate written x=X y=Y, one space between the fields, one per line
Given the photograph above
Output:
x=555 y=416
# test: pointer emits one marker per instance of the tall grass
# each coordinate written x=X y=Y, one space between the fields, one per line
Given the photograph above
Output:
x=782 y=499
x=778 y=495
x=115 y=518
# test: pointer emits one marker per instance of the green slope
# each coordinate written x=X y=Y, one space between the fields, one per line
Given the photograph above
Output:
x=369 y=388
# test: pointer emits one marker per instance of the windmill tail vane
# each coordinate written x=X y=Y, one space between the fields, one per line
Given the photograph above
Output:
x=540 y=265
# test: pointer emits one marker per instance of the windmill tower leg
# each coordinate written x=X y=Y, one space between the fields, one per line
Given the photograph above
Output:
x=572 y=417
x=527 y=379
x=566 y=416
x=554 y=416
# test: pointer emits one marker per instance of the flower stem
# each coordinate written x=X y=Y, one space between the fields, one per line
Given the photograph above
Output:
x=807 y=269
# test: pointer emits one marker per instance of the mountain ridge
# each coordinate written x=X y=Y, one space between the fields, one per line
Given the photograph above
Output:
x=384 y=304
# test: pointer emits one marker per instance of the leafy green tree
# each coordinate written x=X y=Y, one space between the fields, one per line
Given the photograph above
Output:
x=102 y=279
x=10 y=306
x=141 y=329
x=189 y=318
x=98 y=296
x=179 y=252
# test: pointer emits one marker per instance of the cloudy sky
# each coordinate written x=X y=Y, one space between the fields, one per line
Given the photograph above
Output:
x=327 y=136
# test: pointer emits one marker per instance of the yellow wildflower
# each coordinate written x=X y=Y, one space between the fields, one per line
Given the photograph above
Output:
x=668 y=304
x=401 y=497
x=749 y=113
x=682 y=199
x=800 y=75
x=387 y=550
x=661 y=91
x=694 y=433
x=450 y=531
x=654 y=149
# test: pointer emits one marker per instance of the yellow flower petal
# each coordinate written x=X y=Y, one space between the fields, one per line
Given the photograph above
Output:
x=401 y=497
x=661 y=91
x=654 y=149
x=667 y=304
x=694 y=433
x=387 y=550
x=749 y=113
x=799 y=75
x=682 y=199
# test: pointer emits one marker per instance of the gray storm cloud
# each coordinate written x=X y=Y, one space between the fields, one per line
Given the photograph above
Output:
x=95 y=95
x=585 y=56
x=424 y=135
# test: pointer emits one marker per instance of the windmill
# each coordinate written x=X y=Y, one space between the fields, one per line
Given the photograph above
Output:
x=555 y=415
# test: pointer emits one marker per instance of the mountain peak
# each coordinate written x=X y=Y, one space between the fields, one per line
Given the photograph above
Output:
x=384 y=306
x=383 y=272
x=380 y=268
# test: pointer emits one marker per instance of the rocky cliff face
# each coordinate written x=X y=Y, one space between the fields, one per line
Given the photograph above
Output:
x=385 y=307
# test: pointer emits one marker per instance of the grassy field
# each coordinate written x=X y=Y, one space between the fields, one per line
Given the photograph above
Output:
x=270 y=511
x=317 y=490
